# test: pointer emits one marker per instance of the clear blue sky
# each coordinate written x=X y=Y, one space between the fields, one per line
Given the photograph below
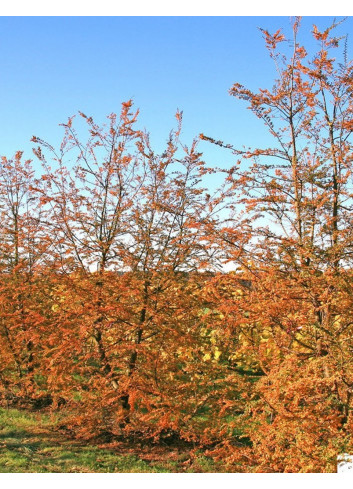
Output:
x=51 y=67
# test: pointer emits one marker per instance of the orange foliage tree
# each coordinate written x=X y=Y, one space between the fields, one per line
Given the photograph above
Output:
x=23 y=256
x=130 y=237
x=295 y=201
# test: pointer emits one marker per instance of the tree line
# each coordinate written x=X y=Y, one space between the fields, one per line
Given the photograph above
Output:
x=115 y=305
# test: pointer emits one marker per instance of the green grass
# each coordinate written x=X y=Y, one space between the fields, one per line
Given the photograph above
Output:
x=30 y=443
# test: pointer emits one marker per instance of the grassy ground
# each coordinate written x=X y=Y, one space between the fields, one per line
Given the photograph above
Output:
x=30 y=443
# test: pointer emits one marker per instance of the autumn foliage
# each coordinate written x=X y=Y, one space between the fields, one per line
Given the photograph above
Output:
x=115 y=303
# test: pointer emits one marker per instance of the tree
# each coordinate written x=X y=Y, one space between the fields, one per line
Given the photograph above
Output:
x=130 y=234
x=295 y=200
x=23 y=254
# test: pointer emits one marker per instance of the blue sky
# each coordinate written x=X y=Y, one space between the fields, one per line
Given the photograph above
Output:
x=51 y=67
